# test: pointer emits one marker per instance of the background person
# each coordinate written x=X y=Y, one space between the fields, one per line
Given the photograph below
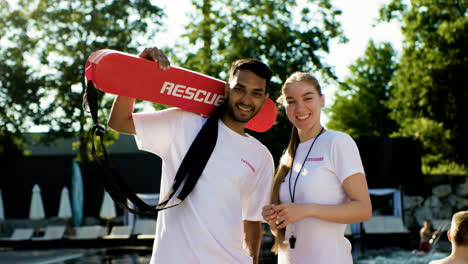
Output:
x=458 y=236
x=325 y=189
x=223 y=211
x=425 y=235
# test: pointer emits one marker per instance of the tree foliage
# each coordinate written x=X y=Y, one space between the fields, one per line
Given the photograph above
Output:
x=20 y=91
x=361 y=103
x=56 y=37
x=287 y=37
x=430 y=96
x=279 y=32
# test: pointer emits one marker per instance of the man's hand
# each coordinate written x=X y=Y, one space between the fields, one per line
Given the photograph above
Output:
x=120 y=118
x=158 y=55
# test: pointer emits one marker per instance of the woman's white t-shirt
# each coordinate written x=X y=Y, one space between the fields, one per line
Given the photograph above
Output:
x=333 y=158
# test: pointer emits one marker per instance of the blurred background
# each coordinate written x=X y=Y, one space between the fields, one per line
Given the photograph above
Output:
x=392 y=72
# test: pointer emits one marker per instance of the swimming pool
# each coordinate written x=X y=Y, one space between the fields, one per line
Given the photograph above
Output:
x=383 y=256
x=398 y=256
x=96 y=256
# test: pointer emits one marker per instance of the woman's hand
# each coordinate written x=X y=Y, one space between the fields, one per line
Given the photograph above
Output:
x=269 y=215
x=155 y=54
x=288 y=213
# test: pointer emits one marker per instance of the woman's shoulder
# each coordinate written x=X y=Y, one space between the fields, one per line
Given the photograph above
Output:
x=337 y=136
x=339 y=140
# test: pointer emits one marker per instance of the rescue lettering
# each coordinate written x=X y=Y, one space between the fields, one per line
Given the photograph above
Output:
x=190 y=93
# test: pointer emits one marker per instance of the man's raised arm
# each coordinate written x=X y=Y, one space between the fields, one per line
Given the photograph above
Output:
x=120 y=118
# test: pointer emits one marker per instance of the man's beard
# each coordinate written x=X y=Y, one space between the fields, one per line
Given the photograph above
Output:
x=232 y=113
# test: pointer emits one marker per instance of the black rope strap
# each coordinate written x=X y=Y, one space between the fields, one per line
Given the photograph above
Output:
x=190 y=169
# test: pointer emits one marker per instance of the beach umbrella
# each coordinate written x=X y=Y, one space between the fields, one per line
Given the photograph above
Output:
x=107 y=207
x=2 y=213
x=36 y=209
x=107 y=211
x=77 y=195
x=64 y=211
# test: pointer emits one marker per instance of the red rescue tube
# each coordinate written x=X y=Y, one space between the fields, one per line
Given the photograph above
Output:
x=128 y=75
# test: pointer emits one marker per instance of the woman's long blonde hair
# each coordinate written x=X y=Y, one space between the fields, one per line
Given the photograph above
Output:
x=287 y=158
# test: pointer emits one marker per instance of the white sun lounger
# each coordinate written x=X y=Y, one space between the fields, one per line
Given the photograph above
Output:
x=52 y=233
x=20 y=234
x=120 y=232
x=145 y=228
x=89 y=232
x=383 y=224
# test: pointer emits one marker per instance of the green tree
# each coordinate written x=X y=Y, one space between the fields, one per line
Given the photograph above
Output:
x=20 y=91
x=361 y=103
x=63 y=35
x=430 y=96
x=287 y=37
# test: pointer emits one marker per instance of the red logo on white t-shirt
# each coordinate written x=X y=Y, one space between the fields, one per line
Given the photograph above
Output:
x=248 y=164
x=315 y=159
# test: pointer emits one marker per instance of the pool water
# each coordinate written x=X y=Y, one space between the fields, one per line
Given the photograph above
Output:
x=112 y=259
x=383 y=256
x=96 y=256
x=398 y=256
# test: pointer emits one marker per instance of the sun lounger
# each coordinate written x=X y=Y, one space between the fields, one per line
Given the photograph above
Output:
x=145 y=228
x=20 y=234
x=120 y=232
x=52 y=233
x=89 y=232
x=394 y=224
x=374 y=226
x=384 y=225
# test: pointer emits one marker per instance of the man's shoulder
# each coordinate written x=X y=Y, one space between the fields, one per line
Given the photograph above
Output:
x=176 y=118
x=179 y=111
x=184 y=115
x=257 y=144
x=167 y=112
x=258 y=148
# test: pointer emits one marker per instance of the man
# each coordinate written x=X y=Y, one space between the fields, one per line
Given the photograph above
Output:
x=425 y=235
x=223 y=211
x=458 y=236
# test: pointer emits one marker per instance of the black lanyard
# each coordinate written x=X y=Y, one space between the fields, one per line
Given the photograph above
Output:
x=292 y=193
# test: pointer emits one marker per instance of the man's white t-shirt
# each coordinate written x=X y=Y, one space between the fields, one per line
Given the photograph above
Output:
x=333 y=158
x=207 y=227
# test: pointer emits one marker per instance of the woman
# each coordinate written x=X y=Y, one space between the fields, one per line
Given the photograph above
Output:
x=326 y=189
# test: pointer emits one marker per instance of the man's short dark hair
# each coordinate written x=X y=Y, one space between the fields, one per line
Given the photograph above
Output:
x=253 y=65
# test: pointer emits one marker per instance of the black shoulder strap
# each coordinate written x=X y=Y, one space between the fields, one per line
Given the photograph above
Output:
x=190 y=169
